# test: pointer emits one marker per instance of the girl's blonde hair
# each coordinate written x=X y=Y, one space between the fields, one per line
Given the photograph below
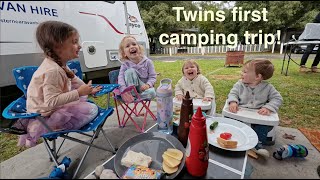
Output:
x=193 y=63
x=261 y=66
x=122 y=55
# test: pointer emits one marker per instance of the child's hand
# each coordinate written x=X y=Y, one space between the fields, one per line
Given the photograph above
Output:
x=85 y=89
x=264 y=111
x=233 y=107
x=96 y=89
x=145 y=87
x=205 y=99
x=179 y=97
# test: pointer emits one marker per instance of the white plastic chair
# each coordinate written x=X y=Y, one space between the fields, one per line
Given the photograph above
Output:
x=205 y=106
x=251 y=117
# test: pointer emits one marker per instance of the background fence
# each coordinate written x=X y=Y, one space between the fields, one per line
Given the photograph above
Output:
x=215 y=49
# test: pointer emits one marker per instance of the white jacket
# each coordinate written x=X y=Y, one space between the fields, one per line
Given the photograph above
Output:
x=199 y=87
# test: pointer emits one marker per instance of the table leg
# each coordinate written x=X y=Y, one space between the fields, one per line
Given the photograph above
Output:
x=284 y=57
x=289 y=58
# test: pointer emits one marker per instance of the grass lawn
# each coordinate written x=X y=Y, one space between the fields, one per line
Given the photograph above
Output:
x=300 y=91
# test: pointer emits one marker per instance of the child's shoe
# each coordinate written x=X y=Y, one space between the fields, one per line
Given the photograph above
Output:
x=290 y=150
x=303 y=68
x=262 y=152
x=314 y=69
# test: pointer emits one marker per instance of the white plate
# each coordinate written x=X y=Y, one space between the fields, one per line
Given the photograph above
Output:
x=244 y=134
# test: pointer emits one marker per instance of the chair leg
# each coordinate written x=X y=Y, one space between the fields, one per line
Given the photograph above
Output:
x=144 y=122
x=88 y=148
x=82 y=159
x=146 y=105
x=105 y=136
x=115 y=102
x=51 y=151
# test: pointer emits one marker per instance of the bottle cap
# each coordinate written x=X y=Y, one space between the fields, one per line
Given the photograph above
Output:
x=165 y=87
x=198 y=116
x=187 y=95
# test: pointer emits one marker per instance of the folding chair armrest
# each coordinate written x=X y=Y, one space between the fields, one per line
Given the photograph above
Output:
x=17 y=109
x=106 y=88
x=130 y=89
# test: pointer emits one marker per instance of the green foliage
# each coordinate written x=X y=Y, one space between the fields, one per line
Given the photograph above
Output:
x=281 y=15
x=158 y=16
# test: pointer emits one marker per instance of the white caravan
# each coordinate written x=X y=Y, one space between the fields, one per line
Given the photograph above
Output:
x=101 y=25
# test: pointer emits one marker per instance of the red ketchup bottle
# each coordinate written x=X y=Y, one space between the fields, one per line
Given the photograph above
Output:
x=197 y=150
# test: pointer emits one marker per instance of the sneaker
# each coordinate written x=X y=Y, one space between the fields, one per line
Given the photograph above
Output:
x=314 y=69
x=303 y=68
x=262 y=152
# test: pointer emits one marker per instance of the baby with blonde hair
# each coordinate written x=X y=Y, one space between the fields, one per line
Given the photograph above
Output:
x=193 y=81
x=136 y=69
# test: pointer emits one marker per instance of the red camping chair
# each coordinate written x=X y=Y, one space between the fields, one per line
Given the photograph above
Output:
x=127 y=107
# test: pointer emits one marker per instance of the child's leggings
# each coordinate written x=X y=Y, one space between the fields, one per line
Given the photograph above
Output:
x=131 y=78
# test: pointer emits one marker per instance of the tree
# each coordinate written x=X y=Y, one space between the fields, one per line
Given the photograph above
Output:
x=158 y=16
x=281 y=15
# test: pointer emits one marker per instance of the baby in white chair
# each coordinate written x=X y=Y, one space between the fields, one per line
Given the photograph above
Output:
x=252 y=91
x=193 y=81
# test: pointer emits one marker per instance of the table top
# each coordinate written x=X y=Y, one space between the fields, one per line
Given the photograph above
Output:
x=222 y=163
x=302 y=42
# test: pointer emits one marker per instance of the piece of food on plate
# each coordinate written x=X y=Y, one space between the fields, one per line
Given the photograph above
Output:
x=227 y=143
x=168 y=169
x=226 y=135
x=174 y=153
x=171 y=162
x=141 y=172
x=214 y=125
x=134 y=158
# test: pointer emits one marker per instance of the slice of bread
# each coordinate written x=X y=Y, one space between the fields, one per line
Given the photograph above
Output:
x=174 y=153
x=168 y=169
x=171 y=162
x=227 y=143
x=134 y=158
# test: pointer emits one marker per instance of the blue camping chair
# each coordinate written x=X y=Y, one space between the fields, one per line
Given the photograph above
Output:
x=17 y=109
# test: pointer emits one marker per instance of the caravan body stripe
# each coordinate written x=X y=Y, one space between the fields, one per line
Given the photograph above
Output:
x=115 y=29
